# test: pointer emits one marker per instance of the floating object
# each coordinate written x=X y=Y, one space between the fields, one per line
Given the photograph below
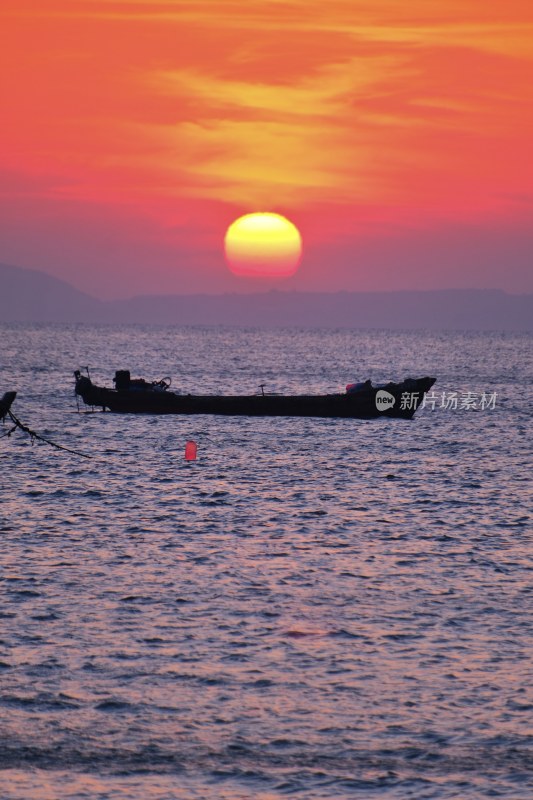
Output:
x=5 y=403
x=141 y=397
x=190 y=451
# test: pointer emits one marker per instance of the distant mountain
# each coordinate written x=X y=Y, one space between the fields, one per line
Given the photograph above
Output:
x=27 y=295
x=31 y=296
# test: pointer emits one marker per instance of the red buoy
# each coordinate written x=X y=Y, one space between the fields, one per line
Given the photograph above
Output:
x=190 y=451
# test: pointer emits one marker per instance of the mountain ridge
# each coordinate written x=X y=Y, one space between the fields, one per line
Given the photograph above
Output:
x=33 y=296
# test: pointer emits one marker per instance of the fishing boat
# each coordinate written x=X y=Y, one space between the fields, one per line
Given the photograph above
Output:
x=360 y=401
x=5 y=404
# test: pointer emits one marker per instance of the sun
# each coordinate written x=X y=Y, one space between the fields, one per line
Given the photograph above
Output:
x=263 y=245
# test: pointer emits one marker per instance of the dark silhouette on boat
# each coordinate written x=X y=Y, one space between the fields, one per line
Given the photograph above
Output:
x=361 y=401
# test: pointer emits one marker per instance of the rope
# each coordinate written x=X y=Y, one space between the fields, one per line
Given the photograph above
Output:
x=33 y=436
x=9 y=432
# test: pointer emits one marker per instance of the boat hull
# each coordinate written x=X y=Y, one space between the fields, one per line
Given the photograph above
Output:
x=360 y=405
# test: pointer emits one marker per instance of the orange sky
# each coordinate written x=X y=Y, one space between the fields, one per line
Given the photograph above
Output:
x=398 y=138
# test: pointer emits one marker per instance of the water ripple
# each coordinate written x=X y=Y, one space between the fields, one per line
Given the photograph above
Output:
x=314 y=608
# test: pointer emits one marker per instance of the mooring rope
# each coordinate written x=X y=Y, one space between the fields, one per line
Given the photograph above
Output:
x=33 y=435
x=9 y=432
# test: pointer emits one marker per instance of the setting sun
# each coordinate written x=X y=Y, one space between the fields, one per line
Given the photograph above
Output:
x=263 y=245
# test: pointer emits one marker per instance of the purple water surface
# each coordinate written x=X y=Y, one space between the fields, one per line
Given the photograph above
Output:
x=312 y=609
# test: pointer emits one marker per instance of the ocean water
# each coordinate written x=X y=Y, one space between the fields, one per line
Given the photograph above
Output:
x=311 y=609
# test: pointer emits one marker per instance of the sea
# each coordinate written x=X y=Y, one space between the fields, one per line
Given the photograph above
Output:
x=312 y=608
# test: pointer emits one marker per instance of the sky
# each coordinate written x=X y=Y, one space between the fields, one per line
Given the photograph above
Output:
x=397 y=136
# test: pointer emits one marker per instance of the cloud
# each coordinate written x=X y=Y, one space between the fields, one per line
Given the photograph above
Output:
x=354 y=108
x=253 y=142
